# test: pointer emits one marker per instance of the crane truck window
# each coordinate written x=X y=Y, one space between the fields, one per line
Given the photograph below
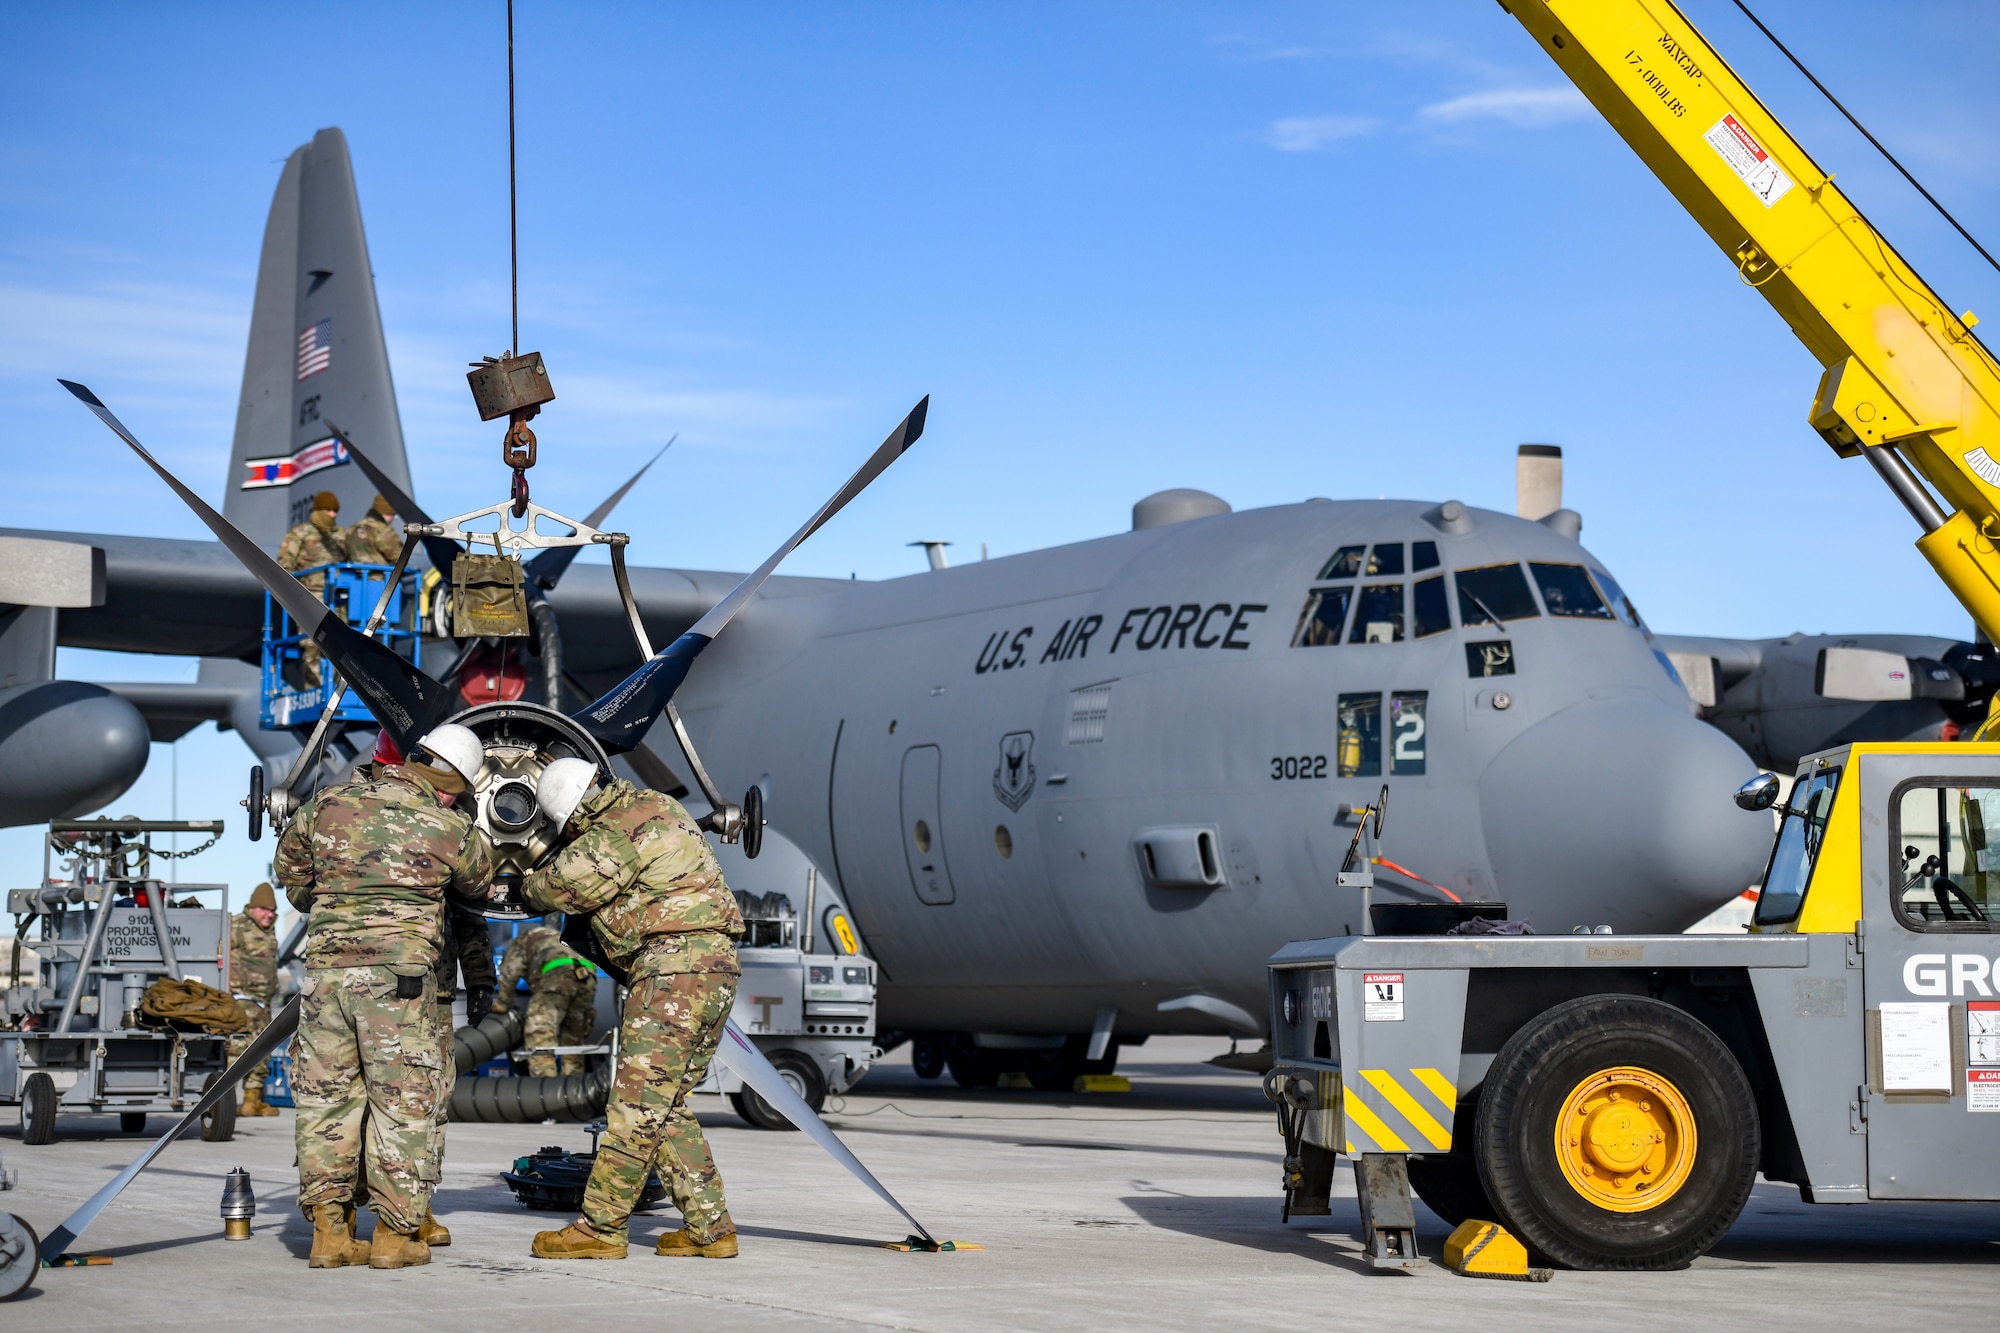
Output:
x=1490 y=594
x=1948 y=876
x=1800 y=831
x=1320 y=620
x=1568 y=591
x=1359 y=745
x=1378 y=613
x=1343 y=564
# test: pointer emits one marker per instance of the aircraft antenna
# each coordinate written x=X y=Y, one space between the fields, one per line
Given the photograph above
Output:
x=513 y=213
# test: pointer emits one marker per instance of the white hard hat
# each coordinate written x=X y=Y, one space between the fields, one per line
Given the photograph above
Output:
x=455 y=747
x=563 y=786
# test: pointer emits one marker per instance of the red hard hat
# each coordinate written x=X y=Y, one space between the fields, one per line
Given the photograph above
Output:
x=386 y=749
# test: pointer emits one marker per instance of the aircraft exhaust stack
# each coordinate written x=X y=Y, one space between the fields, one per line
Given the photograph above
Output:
x=1538 y=480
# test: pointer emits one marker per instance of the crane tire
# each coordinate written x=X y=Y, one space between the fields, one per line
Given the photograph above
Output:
x=1663 y=1138
x=1449 y=1185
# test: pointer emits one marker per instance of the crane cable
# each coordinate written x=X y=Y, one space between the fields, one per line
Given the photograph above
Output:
x=1914 y=182
x=513 y=215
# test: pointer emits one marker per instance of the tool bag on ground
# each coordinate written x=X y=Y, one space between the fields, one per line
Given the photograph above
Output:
x=191 y=1006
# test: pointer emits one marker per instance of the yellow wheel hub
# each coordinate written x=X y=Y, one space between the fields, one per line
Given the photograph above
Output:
x=1625 y=1138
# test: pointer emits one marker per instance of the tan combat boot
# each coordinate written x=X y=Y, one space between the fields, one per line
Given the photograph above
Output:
x=573 y=1242
x=334 y=1245
x=679 y=1244
x=254 y=1103
x=433 y=1232
x=397 y=1249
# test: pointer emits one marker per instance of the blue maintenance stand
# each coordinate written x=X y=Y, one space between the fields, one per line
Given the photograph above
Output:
x=294 y=696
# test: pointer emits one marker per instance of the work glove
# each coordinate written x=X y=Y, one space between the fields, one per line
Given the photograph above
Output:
x=478 y=1004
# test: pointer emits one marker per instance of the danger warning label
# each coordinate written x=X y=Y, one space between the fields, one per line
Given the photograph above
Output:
x=1382 y=997
x=1982 y=1048
x=1747 y=158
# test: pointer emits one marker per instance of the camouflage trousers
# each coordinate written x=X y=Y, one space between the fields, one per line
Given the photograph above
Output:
x=667 y=1036
x=561 y=1011
x=367 y=1078
x=258 y=1012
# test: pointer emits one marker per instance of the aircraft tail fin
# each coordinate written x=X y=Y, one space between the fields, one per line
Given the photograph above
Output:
x=316 y=351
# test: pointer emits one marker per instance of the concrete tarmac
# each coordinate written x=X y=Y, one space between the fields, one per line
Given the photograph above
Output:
x=1154 y=1209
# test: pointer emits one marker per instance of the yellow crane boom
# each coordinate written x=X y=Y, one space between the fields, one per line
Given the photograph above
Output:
x=1906 y=385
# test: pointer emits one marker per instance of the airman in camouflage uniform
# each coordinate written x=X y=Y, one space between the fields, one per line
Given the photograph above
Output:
x=370 y=860
x=317 y=541
x=373 y=541
x=658 y=909
x=253 y=979
x=562 y=997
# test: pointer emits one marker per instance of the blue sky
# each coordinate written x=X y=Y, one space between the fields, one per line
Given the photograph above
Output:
x=1272 y=251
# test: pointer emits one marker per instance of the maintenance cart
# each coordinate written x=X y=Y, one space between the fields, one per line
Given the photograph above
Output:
x=1611 y=1099
x=71 y=1039
x=812 y=1014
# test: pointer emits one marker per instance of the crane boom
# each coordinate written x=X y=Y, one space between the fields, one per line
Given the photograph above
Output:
x=1906 y=384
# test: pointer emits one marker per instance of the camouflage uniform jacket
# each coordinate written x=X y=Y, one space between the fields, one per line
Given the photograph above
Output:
x=648 y=881
x=532 y=953
x=373 y=542
x=370 y=860
x=253 y=958
x=306 y=545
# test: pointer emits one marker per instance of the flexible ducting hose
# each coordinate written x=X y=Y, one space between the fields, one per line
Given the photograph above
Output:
x=519 y=1101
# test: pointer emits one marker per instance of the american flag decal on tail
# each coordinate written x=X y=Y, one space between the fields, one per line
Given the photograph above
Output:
x=315 y=348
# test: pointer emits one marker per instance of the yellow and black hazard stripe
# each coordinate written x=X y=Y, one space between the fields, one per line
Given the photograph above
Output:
x=1398 y=1111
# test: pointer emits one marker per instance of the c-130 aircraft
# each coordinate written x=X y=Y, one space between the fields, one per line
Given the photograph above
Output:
x=1083 y=790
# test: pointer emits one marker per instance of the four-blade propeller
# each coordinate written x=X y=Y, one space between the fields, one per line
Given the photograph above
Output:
x=408 y=702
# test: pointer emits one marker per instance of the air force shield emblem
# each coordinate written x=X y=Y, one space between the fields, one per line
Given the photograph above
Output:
x=1014 y=780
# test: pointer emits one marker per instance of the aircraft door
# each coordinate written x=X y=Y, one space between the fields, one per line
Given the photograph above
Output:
x=923 y=830
x=1933 y=1014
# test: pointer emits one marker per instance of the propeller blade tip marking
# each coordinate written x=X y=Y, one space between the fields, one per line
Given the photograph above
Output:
x=81 y=392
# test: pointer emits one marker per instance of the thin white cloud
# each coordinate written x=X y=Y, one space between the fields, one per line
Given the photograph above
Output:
x=1307 y=134
x=1528 y=108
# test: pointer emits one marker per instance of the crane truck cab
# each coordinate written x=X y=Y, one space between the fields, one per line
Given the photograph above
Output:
x=1611 y=1099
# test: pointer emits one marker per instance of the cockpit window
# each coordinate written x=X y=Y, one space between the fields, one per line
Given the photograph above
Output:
x=1567 y=591
x=1620 y=603
x=1386 y=558
x=1423 y=556
x=1491 y=594
x=1378 y=614
x=1344 y=564
x=1433 y=611
x=1797 y=848
x=1322 y=616
x=1947 y=839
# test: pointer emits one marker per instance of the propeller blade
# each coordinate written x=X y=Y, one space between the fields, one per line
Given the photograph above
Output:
x=619 y=719
x=403 y=699
x=441 y=551
x=546 y=569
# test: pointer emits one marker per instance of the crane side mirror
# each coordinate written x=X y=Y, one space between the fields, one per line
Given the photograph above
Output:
x=1759 y=793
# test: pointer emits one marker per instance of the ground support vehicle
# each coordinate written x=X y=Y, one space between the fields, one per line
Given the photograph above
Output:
x=811 y=1014
x=1611 y=1099
x=71 y=1041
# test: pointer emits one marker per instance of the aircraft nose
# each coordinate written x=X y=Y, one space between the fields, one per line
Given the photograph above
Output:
x=1620 y=811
